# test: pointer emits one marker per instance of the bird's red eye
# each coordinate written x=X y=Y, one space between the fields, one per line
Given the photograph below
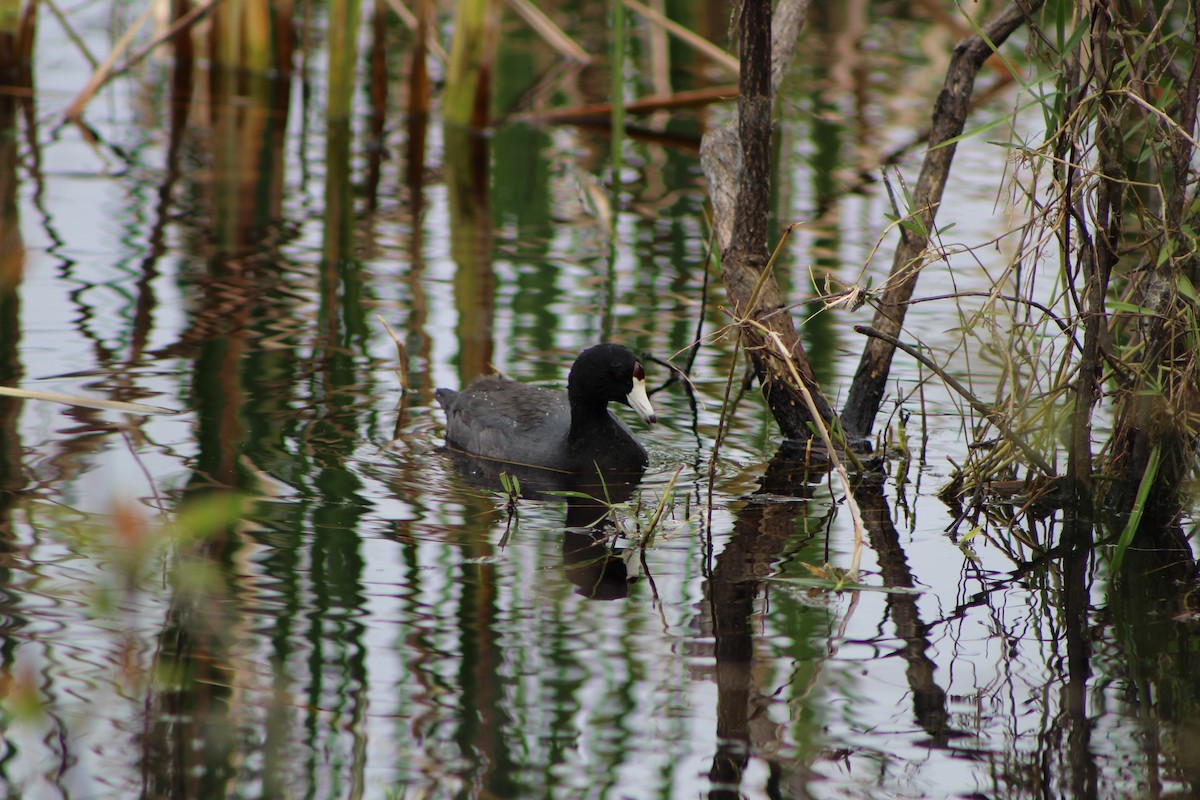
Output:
x=638 y=372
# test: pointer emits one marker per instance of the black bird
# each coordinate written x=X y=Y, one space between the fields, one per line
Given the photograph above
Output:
x=573 y=432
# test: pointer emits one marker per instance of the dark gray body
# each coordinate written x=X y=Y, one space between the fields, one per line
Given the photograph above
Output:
x=513 y=422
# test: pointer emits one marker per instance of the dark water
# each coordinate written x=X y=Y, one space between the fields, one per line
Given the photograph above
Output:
x=362 y=620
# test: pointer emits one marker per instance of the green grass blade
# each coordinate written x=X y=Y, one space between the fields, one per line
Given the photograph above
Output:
x=1139 y=505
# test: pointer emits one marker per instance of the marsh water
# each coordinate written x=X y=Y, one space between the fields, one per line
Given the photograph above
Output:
x=286 y=588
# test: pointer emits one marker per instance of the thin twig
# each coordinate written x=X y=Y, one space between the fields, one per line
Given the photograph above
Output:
x=721 y=425
x=87 y=402
x=551 y=33
x=697 y=339
x=93 y=62
x=401 y=355
x=693 y=39
x=102 y=75
x=993 y=416
x=823 y=430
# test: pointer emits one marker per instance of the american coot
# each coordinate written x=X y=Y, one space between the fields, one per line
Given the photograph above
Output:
x=505 y=421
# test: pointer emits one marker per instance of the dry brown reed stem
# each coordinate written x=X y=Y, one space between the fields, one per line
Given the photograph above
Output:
x=691 y=38
x=553 y=35
x=401 y=355
x=106 y=72
x=75 y=111
x=86 y=402
x=696 y=98
x=819 y=423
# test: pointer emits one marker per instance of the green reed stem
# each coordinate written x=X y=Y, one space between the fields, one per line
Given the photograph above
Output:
x=343 y=55
x=468 y=87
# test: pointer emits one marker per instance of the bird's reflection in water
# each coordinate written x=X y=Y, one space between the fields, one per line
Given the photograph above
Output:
x=589 y=560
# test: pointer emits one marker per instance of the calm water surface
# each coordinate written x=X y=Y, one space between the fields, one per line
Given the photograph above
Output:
x=361 y=619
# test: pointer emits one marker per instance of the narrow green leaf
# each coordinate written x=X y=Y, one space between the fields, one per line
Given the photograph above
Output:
x=1131 y=308
x=1139 y=506
x=1185 y=287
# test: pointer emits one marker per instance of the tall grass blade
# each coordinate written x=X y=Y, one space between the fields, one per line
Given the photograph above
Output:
x=1135 y=514
x=668 y=493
